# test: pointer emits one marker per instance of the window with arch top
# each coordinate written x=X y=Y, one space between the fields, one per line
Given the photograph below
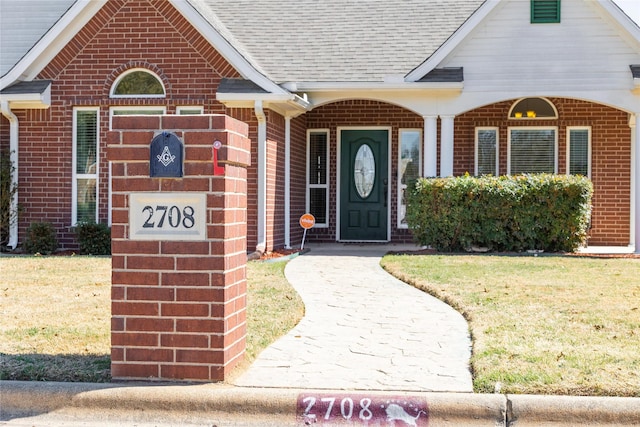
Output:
x=533 y=108
x=138 y=83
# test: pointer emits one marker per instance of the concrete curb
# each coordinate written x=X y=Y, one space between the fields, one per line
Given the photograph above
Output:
x=18 y=398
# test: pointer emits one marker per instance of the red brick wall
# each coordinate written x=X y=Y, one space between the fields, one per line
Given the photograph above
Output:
x=178 y=307
x=611 y=156
x=123 y=35
x=361 y=113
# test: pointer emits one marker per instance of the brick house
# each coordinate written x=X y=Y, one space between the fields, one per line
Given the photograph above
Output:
x=345 y=102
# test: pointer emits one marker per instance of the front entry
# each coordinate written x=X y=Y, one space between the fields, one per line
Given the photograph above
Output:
x=364 y=185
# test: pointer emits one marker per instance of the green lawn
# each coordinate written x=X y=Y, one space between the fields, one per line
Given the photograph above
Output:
x=541 y=325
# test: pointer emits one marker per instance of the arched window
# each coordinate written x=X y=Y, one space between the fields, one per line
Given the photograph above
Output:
x=138 y=83
x=533 y=108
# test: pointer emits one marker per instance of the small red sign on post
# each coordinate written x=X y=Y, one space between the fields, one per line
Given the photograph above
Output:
x=307 y=221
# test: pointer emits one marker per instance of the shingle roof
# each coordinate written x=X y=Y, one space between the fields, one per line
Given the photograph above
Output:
x=34 y=86
x=22 y=27
x=337 y=40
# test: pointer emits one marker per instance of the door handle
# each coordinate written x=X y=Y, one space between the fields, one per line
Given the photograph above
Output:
x=385 y=191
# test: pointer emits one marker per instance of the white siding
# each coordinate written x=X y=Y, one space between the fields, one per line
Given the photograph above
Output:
x=587 y=53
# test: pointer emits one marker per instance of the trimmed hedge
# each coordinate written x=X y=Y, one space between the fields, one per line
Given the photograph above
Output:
x=507 y=213
x=94 y=238
x=40 y=239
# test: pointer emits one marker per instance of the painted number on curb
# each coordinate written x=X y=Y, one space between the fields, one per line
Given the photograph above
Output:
x=366 y=410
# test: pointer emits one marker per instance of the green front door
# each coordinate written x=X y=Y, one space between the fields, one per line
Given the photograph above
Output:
x=364 y=185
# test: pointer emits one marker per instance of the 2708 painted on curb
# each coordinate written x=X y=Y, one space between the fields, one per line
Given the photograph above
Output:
x=359 y=409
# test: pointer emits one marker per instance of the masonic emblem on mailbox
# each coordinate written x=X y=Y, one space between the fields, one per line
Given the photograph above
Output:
x=166 y=156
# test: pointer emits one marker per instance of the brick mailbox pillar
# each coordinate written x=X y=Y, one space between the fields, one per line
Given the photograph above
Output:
x=178 y=293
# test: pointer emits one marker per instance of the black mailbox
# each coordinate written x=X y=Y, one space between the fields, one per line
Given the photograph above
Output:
x=166 y=156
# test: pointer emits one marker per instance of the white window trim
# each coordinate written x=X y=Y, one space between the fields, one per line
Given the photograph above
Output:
x=497 y=131
x=133 y=70
x=510 y=128
x=200 y=109
x=160 y=109
x=309 y=186
x=568 y=144
x=401 y=186
x=74 y=157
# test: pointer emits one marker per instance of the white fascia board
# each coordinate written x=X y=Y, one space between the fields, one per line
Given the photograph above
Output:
x=239 y=62
x=19 y=101
x=288 y=102
x=52 y=42
x=369 y=86
x=452 y=42
x=625 y=21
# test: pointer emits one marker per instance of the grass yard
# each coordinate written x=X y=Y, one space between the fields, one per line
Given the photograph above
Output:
x=541 y=325
x=55 y=315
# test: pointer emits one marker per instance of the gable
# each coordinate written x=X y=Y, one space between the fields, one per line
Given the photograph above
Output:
x=587 y=50
x=129 y=34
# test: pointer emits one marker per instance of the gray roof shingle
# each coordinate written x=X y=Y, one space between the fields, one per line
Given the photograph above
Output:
x=22 y=27
x=337 y=40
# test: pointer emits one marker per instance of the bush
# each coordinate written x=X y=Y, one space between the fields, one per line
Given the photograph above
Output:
x=507 y=213
x=94 y=239
x=7 y=191
x=41 y=238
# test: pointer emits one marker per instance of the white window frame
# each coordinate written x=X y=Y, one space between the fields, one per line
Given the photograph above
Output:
x=74 y=158
x=497 y=132
x=511 y=128
x=402 y=187
x=159 y=110
x=309 y=186
x=137 y=95
x=180 y=109
x=588 y=129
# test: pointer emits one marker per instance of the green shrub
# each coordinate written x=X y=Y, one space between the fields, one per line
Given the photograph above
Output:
x=94 y=239
x=41 y=238
x=508 y=213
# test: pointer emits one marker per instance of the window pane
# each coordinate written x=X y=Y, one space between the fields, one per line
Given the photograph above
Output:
x=318 y=158
x=579 y=152
x=409 y=156
x=139 y=83
x=533 y=151
x=318 y=204
x=86 y=141
x=487 y=139
x=86 y=200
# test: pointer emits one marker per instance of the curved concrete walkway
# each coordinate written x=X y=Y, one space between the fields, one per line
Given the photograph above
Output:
x=364 y=330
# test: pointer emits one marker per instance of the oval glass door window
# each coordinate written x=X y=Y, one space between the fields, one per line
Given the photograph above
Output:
x=364 y=171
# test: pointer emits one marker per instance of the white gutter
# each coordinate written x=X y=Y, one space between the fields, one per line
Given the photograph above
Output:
x=372 y=86
x=287 y=182
x=13 y=158
x=261 y=243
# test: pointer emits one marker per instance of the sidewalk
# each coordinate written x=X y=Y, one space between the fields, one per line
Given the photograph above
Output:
x=364 y=330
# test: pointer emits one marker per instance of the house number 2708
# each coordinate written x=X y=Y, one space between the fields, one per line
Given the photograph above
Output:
x=172 y=216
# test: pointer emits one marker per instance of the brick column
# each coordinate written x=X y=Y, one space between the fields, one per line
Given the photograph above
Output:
x=178 y=306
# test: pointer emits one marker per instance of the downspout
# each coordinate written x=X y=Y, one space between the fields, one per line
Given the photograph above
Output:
x=261 y=243
x=13 y=158
x=287 y=182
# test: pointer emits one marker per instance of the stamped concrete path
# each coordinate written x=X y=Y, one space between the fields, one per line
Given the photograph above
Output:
x=364 y=330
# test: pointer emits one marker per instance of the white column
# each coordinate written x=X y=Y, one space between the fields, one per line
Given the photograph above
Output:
x=430 y=151
x=446 y=145
x=287 y=182
x=635 y=184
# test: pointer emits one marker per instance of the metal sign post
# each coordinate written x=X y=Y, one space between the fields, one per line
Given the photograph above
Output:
x=307 y=221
